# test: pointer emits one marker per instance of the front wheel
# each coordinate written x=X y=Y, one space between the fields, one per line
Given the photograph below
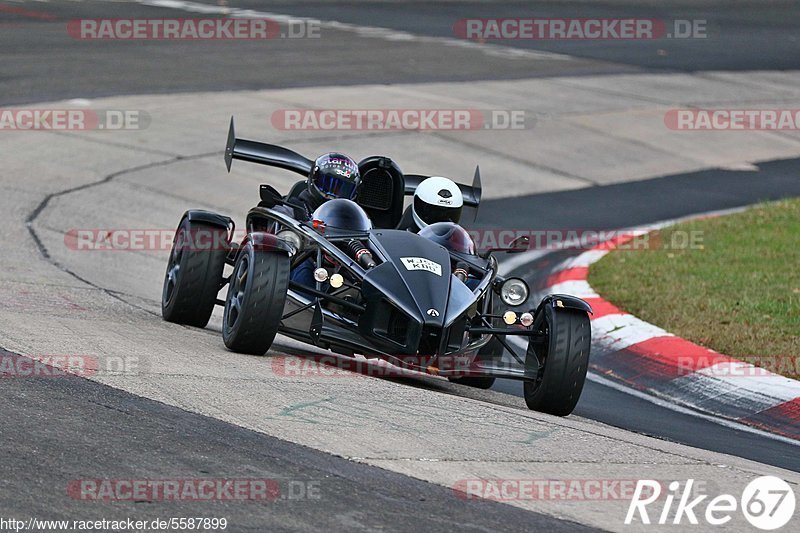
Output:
x=256 y=296
x=565 y=356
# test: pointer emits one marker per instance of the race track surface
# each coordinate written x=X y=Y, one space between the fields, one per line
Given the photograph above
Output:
x=127 y=437
x=386 y=453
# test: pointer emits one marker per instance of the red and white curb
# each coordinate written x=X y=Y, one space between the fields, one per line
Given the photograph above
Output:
x=647 y=358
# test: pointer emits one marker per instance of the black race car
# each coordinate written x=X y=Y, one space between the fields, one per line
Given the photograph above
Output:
x=426 y=302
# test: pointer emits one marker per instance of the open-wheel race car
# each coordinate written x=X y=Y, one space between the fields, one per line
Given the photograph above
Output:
x=426 y=301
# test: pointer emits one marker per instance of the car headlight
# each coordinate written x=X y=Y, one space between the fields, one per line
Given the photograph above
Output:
x=292 y=238
x=514 y=292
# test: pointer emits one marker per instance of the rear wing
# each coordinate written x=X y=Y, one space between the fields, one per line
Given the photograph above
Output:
x=280 y=157
x=471 y=193
x=264 y=154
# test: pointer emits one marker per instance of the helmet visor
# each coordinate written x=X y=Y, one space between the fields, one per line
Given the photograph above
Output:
x=432 y=214
x=334 y=187
x=451 y=236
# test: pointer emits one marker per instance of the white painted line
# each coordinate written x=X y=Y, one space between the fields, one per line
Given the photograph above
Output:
x=513 y=262
x=620 y=331
x=578 y=288
x=586 y=259
x=666 y=404
x=583 y=260
x=386 y=34
x=735 y=383
x=744 y=376
x=600 y=380
x=719 y=397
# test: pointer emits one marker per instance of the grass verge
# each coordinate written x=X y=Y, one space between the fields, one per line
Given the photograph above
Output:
x=730 y=283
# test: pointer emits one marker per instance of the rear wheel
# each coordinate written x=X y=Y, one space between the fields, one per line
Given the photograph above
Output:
x=565 y=355
x=194 y=273
x=257 y=294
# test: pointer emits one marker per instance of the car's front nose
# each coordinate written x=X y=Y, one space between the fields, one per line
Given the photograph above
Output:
x=409 y=318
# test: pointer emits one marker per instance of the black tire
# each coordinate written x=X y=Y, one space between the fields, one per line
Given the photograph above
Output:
x=256 y=296
x=491 y=351
x=194 y=275
x=566 y=360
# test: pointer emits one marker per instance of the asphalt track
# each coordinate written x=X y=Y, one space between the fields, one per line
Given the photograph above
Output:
x=41 y=65
x=95 y=426
x=637 y=204
x=40 y=70
x=747 y=37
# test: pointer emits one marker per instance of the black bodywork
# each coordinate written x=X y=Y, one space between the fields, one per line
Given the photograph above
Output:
x=409 y=309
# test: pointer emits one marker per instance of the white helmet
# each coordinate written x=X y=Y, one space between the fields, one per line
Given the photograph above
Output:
x=437 y=199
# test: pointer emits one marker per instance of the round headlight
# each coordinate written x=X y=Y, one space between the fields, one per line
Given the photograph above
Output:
x=514 y=292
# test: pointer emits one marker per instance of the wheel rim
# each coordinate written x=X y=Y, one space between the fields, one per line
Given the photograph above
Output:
x=236 y=294
x=173 y=269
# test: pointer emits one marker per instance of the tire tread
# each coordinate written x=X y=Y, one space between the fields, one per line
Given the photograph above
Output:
x=263 y=305
x=566 y=364
x=200 y=280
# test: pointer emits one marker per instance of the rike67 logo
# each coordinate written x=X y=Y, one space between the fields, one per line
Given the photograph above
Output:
x=767 y=502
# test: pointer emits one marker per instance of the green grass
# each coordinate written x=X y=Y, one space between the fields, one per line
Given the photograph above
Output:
x=736 y=290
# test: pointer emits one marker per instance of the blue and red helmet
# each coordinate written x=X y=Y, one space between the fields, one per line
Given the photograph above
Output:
x=334 y=176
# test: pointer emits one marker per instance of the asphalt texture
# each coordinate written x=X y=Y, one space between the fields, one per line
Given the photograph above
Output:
x=644 y=202
x=41 y=61
x=641 y=203
x=752 y=36
x=57 y=430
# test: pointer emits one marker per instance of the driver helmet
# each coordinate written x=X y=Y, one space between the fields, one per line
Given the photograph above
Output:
x=341 y=214
x=451 y=236
x=334 y=176
x=437 y=199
